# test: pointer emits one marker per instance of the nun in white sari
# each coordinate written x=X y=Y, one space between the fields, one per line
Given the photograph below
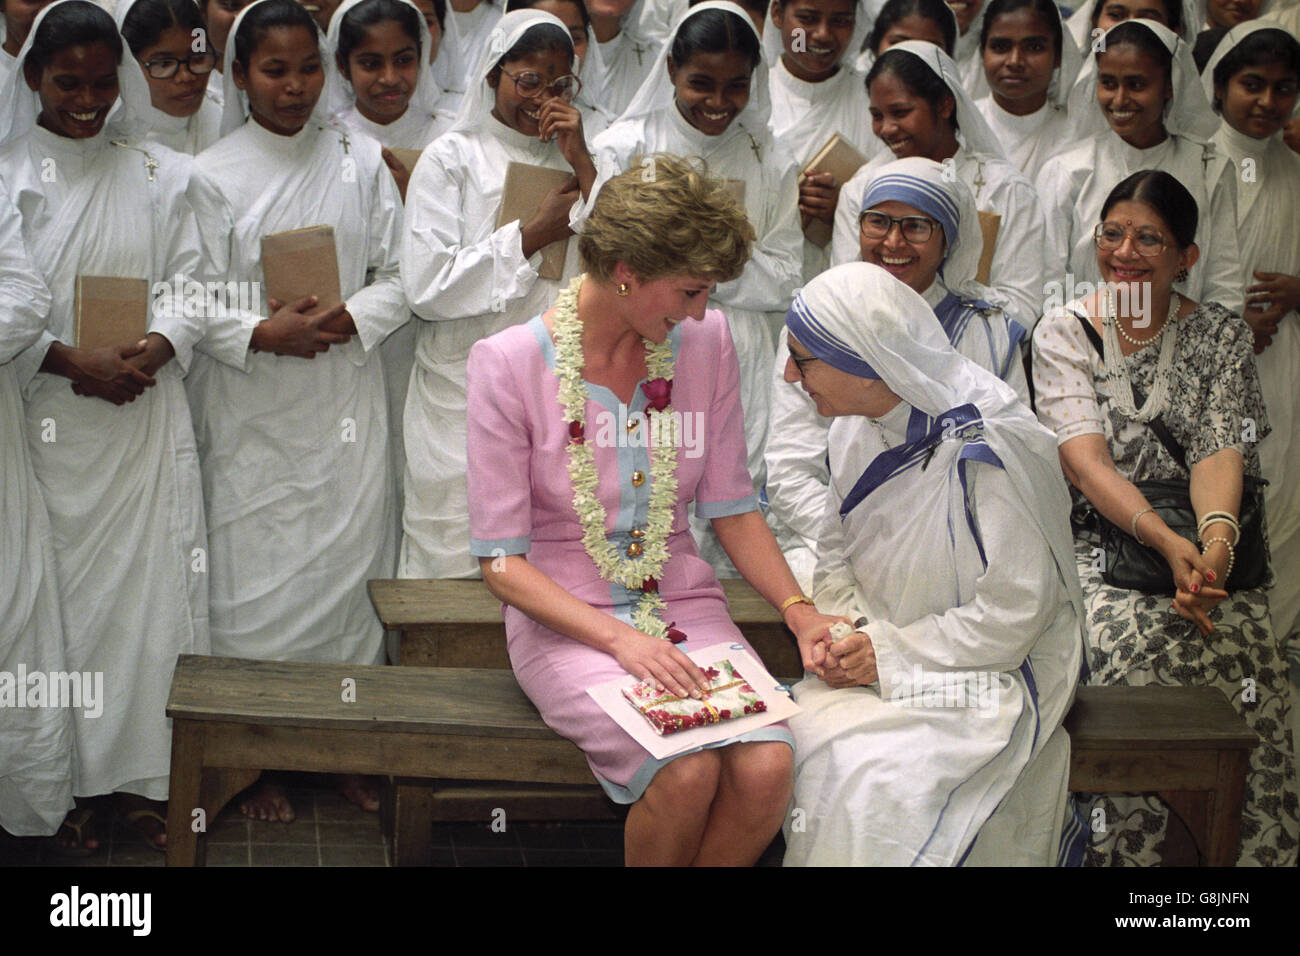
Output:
x=35 y=742
x=798 y=450
x=468 y=279
x=1074 y=184
x=806 y=115
x=955 y=547
x=1016 y=269
x=185 y=134
x=743 y=153
x=295 y=452
x=120 y=482
x=427 y=115
x=1032 y=139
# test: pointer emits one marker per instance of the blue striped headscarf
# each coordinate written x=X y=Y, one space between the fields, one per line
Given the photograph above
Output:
x=822 y=342
x=934 y=189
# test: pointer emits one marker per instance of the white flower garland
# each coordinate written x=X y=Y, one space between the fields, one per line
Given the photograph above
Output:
x=632 y=573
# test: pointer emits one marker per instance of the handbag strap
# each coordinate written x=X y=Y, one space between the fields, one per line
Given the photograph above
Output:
x=1157 y=424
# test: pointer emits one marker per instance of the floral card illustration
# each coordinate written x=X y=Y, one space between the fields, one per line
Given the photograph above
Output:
x=665 y=725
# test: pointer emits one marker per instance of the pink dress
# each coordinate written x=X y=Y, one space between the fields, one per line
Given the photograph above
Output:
x=521 y=502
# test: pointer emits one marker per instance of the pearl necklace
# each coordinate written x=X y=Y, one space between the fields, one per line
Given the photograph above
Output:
x=1117 y=366
x=1119 y=326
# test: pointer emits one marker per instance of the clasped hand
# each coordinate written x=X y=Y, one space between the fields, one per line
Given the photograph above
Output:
x=1194 y=597
x=296 y=331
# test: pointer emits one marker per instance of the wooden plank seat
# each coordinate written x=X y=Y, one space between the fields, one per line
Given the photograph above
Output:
x=1185 y=743
x=234 y=718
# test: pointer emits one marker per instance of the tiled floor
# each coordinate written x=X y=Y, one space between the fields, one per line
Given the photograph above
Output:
x=330 y=831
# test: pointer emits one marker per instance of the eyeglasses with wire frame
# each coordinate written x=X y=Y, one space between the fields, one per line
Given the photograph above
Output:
x=1148 y=242
x=165 y=67
x=915 y=229
x=531 y=86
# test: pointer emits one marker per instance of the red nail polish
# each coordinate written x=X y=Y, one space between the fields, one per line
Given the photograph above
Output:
x=1194 y=588
x=1210 y=576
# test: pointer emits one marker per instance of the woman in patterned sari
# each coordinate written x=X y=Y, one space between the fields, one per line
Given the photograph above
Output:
x=1108 y=370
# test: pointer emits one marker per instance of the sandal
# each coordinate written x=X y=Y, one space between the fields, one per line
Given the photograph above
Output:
x=77 y=825
x=146 y=836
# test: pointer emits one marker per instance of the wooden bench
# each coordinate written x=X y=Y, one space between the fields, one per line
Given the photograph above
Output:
x=1185 y=743
x=234 y=718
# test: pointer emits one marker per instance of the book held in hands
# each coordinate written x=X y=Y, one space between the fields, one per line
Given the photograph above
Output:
x=111 y=311
x=521 y=196
x=301 y=263
x=841 y=160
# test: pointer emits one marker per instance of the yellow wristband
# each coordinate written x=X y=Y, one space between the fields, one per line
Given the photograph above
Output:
x=790 y=602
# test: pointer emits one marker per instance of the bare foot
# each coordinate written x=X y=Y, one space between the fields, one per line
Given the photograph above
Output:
x=266 y=801
x=76 y=835
x=147 y=819
x=363 y=791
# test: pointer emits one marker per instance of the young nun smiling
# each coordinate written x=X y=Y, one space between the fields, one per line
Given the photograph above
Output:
x=1147 y=93
x=467 y=278
x=161 y=35
x=923 y=229
x=919 y=108
x=295 y=452
x=709 y=98
x=120 y=478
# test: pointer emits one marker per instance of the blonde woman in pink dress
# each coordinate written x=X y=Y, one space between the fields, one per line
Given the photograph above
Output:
x=598 y=588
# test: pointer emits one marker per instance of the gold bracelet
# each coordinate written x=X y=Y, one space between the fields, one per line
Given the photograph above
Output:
x=797 y=599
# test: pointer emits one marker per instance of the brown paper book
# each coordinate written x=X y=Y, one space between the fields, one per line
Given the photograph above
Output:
x=990 y=223
x=111 y=311
x=407 y=157
x=525 y=187
x=841 y=160
x=300 y=263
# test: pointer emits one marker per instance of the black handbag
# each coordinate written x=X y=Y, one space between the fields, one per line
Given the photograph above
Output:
x=1138 y=567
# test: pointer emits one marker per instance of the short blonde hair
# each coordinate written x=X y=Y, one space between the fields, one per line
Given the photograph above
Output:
x=666 y=216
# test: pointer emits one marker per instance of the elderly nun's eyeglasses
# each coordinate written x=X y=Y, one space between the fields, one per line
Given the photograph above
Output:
x=800 y=361
x=531 y=86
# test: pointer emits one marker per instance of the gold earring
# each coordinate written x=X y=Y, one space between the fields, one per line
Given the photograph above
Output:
x=623 y=288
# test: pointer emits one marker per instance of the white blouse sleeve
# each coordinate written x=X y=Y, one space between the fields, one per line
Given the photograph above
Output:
x=1064 y=396
x=24 y=298
x=845 y=244
x=775 y=266
x=228 y=329
x=444 y=274
x=1017 y=268
x=1221 y=254
x=379 y=308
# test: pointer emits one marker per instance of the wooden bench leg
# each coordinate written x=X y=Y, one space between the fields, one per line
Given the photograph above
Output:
x=185 y=847
x=412 y=821
x=1223 y=841
x=1192 y=807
